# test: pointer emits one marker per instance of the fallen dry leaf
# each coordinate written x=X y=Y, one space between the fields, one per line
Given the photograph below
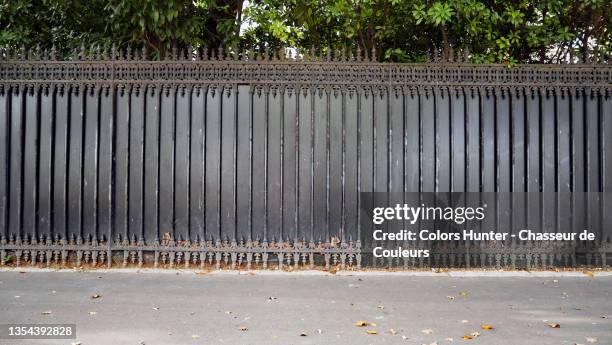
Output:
x=243 y=328
x=591 y=339
x=448 y=339
x=361 y=323
x=92 y=313
x=76 y=343
x=486 y=327
x=452 y=298
x=373 y=324
x=604 y=316
x=155 y=308
x=371 y=331
x=47 y=312
x=96 y=296
x=589 y=273
x=467 y=337
x=474 y=334
x=464 y=321
x=303 y=334
x=463 y=293
x=554 y=325
x=392 y=331
x=427 y=331
x=195 y=336
x=381 y=307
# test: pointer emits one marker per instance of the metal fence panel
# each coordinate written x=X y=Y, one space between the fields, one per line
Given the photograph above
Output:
x=253 y=162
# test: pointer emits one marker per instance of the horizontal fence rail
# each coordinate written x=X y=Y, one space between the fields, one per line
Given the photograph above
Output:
x=251 y=163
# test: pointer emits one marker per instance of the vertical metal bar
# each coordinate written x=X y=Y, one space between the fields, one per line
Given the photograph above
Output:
x=136 y=163
x=533 y=161
x=30 y=162
x=121 y=163
x=578 y=164
x=428 y=139
x=442 y=138
x=504 y=161
x=458 y=154
x=290 y=146
x=259 y=163
x=243 y=162
x=304 y=163
x=335 y=190
x=197 y=163
x=564 y=218
x=166 y=162
x=366 y=178
x=549 y=164
x=228 y=132
x=90 y=163
x=60 y=161
x=593 y=161
x=45 y=161
x=213 y=123
x=5 y=111
x=151 y=164
x=75 y=163
x=321 y=99
x=519 y=149
x=16 y=161
x=351 y=164
x=181 y=168
x=606 y=170
x=473 y=140
x=105 y=163
x=274 y=165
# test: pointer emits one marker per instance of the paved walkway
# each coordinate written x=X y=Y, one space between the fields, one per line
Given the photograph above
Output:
x=182 y=308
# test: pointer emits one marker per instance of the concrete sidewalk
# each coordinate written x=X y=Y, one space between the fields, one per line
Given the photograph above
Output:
x=179 y=308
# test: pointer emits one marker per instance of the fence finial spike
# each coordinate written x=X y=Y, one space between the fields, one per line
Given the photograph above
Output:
x=358 y=53
x=328 y=57
x=451 y=54
x=53 y=52
x=466 y=55
x=173 y=56
x=235 y=52
x=373 y=55
x=205 y=53
x=23 y=52
x=83 y=52
x=221 y=53
x=145 y=52
x=128 y=52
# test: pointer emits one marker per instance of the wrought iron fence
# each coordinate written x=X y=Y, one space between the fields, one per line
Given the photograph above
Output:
x=245 y=160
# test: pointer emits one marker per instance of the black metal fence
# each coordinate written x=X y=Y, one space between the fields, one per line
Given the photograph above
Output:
x=241 y=161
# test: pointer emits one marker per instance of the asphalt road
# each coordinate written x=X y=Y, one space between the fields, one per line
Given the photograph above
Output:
x=182 y=308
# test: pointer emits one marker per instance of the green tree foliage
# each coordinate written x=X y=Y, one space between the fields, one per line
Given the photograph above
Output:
x=156 y=24
x=508 y=31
